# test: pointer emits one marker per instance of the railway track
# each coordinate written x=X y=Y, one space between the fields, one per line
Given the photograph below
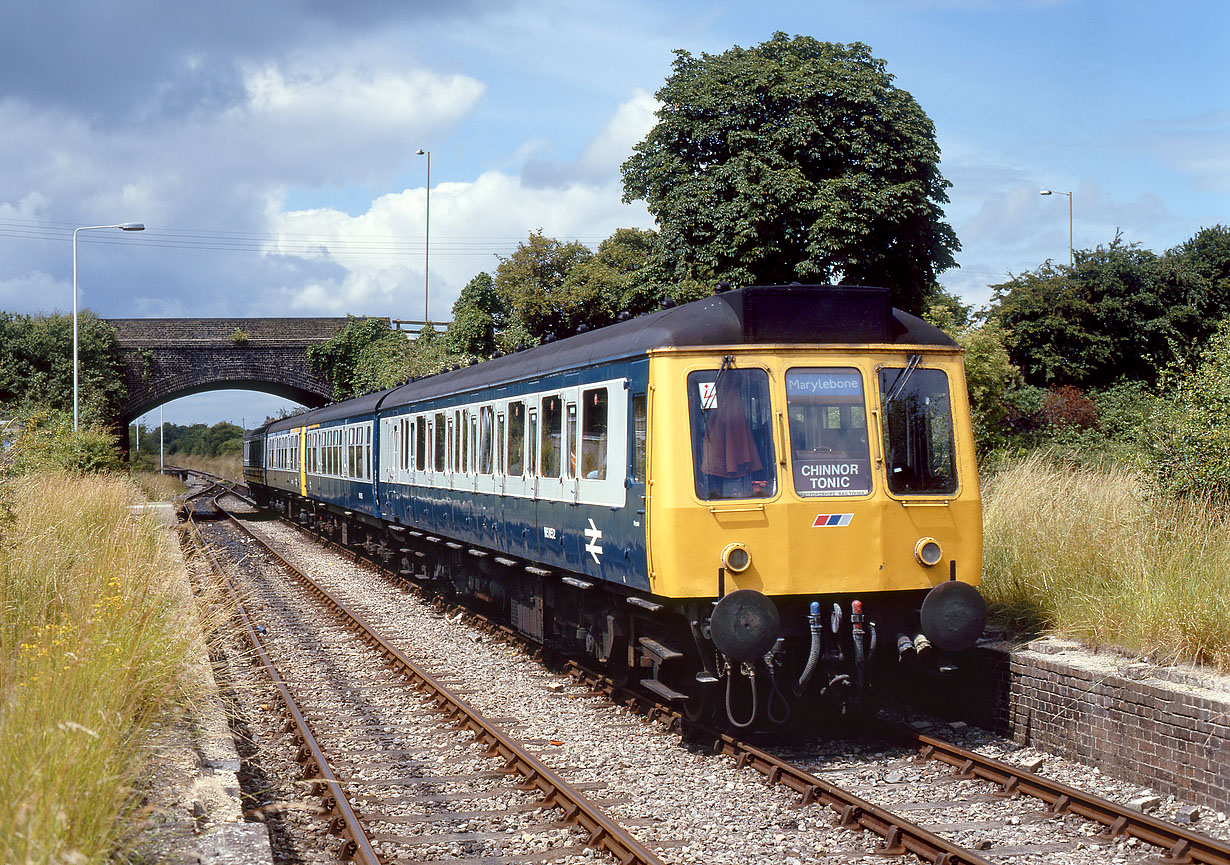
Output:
x=931 y=781
x=400 y=762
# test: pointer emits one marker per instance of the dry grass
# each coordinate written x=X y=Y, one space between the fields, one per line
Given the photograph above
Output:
x=94 y=636
x=158 y=487
x=229 y=467
x=1090 y=553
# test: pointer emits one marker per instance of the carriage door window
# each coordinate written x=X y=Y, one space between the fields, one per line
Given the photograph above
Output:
x=486 y=423
x=552 y=433
x=732 y=434
x=918 y=441
x=533 y=442
x=640 y=436
x=499 y=443
x=465 y=440
x=593 y=434
x=366 y=433
x=420 y=444
x=439 y=456
x=827 y=418
x=571 y=440
x=516 y=439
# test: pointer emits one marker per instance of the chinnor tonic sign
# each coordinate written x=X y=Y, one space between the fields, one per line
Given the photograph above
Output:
x=837 y=464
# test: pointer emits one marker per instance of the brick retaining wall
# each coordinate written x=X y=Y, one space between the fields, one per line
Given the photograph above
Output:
x=1167 y=728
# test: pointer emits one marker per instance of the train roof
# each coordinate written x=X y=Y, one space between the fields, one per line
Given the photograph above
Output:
x=774 y=314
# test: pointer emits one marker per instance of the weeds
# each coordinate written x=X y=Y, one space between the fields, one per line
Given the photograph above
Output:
x=94 y=637
x=1094 y=554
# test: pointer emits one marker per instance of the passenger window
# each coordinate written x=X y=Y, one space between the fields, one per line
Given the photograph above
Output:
x=918 y=438
x=732 y=434
x=465 y=440
x=420 y=443
x=828 y=431
x=552 y=433
x=593 y=434
x=640 y=436
x=516 y=439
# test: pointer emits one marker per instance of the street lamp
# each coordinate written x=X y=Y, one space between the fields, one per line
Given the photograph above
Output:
x=1069 y=194
x=427 y=244
x=123 y=226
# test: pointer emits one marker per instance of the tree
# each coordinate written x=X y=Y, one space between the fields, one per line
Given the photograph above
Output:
x=36 y=364
x=478 y=313
x=794 y=160
x=531 y=283
x=1109 y=316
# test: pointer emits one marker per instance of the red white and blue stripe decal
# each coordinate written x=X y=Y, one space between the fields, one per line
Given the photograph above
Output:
x=824 y=521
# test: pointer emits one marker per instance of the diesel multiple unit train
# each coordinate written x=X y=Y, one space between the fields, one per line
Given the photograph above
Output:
x=746 y=503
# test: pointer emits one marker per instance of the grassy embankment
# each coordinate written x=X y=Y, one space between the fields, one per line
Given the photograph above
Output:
x=1094 y=555
x=95 y=634
x=229 y=467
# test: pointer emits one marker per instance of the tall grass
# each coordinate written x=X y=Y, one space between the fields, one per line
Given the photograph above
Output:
x=1091 y=553
x=229 y=466
x=95 y=632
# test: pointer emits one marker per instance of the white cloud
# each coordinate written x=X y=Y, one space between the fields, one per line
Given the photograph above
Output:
x=352 y=104
x=471 y=223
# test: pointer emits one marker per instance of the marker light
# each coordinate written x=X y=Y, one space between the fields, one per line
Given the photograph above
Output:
x=736 y=558
x=928 y=552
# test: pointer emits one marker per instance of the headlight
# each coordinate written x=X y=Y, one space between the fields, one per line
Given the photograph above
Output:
x=736 y=558
x=928 y=551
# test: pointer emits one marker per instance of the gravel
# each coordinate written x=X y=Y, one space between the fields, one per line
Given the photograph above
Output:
x=688 y=806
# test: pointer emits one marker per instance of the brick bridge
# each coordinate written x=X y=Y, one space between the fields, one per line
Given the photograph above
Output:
x=166 y=358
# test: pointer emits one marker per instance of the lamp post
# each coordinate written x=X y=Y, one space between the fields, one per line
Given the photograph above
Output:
x=427 y=243
x=1069 y=194
x=123 y=226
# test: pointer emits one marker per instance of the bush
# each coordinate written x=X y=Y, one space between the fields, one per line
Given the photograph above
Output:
x=1189 y=436
x=46 y=440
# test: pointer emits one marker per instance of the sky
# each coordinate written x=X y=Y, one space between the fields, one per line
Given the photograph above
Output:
x=271 y=149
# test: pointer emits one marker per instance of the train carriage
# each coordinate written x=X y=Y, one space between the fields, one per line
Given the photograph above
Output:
x=756 y=495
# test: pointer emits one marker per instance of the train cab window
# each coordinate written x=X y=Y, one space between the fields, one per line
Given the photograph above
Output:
x=593 y=434
x=552 y=435
x=732 y=434
x=918 y=437
x=516 y=439
x=829 y=451
x=439 y=463
x=640 y=436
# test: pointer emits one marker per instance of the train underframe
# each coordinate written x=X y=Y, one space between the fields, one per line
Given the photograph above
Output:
x=743 y=661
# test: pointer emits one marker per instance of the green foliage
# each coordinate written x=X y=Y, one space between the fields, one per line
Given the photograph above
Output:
x=36 y=364
x=44 y=439
x=1119 y=313
x=794 y=160
x=1189 y=438
x=239 y=336
x=338 y=358
x=533 y=285
x=478 y=313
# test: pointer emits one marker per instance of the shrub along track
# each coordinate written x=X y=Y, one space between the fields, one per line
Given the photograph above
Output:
x=930 y=793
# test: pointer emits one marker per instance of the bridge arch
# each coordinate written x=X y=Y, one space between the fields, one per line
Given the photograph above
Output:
x=167 y=358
